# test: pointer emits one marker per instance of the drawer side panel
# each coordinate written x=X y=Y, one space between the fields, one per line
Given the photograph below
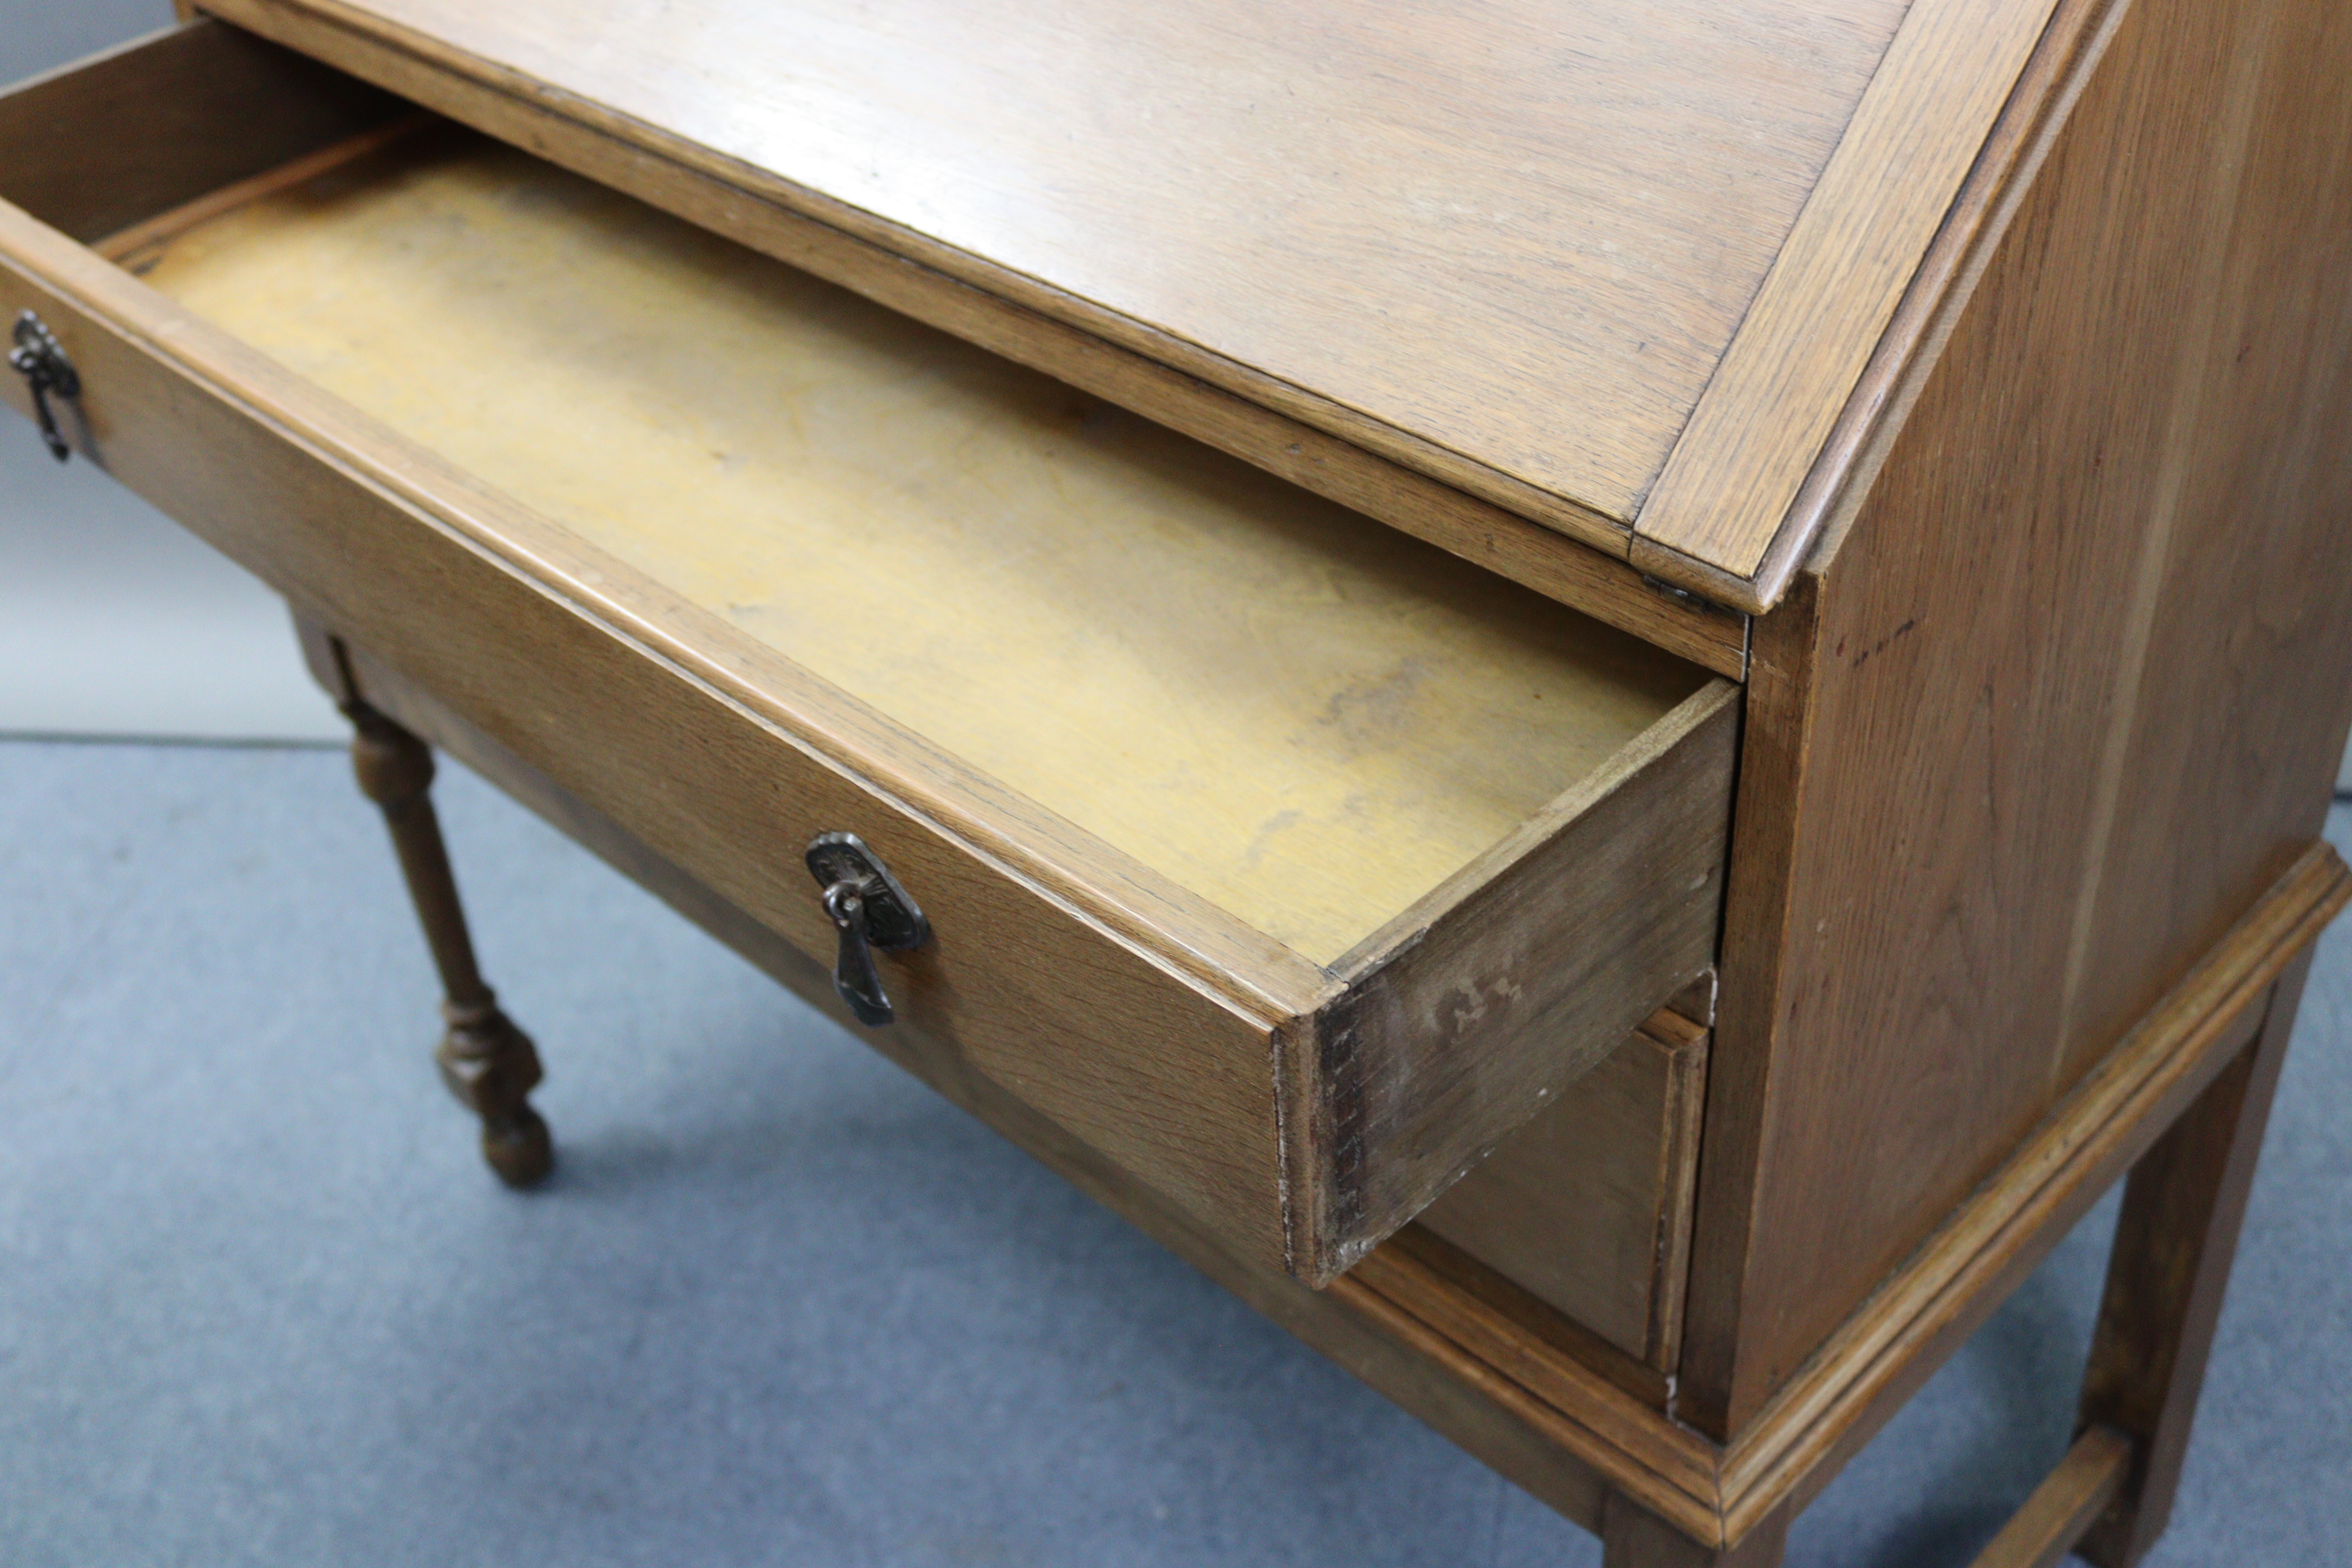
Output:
x=99 y=146
x=1514 y=981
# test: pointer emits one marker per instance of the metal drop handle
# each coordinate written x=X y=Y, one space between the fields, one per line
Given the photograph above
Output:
x=854 y=974
x=37 y=355
x=868 y=909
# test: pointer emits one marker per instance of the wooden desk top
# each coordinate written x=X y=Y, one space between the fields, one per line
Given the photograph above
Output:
x=1617 y=270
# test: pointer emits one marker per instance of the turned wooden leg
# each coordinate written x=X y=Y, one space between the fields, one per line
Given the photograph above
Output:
x=2174 y=1244
x=1634 y=1537
x=488 y=1062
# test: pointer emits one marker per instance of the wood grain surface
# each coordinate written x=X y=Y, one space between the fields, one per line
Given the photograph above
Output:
x=185 y=112
x=1940 y=288
x=1141 y=1015
x=1924 y=1309
x=727 y=764
x=1522 y=234
x=1539 y=1376
x=1586 y=1208
x=2167 y=1276
x=1592 y=576
x=1506 y=251
x=1363 y=1332
x=1521 y=1395
x=1623 y=1142
x=2068 y=695
x=1736 y=468
x=2034 y=757
x=1634 y=1537
x=1465 y=1018
x=2042 y=1532
x=1459 y=1274
x=1307 y=722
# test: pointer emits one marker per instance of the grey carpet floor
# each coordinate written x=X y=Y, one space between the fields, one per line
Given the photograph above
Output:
x=259 y=1305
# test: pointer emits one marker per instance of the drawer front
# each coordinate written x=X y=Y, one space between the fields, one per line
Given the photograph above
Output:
x=1300 y=1112
x=1142 y=1061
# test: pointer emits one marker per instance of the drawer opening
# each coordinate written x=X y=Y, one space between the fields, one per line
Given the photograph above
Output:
x=1287 y=861
x=1306 y=721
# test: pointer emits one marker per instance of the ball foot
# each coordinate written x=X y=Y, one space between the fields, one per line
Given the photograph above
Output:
x=521 y=1151
x=491 y=1067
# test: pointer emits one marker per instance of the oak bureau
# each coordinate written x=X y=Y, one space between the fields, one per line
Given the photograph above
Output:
x=1607 y=702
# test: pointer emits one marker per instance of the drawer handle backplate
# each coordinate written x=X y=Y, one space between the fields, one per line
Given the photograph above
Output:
x=869 y=910
x=37 y=356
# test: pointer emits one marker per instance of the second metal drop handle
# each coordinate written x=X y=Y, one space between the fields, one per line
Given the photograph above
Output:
x=868 y=909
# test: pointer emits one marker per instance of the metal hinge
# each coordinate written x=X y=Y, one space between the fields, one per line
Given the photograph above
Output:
x=1699 y=602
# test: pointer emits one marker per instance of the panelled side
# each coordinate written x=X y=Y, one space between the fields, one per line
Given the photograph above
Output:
x=2071 y=694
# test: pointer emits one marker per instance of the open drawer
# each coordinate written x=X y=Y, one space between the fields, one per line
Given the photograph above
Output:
x=1286 y=861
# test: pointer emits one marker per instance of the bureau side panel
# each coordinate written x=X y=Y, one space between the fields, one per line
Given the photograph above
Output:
x=2071 y=694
